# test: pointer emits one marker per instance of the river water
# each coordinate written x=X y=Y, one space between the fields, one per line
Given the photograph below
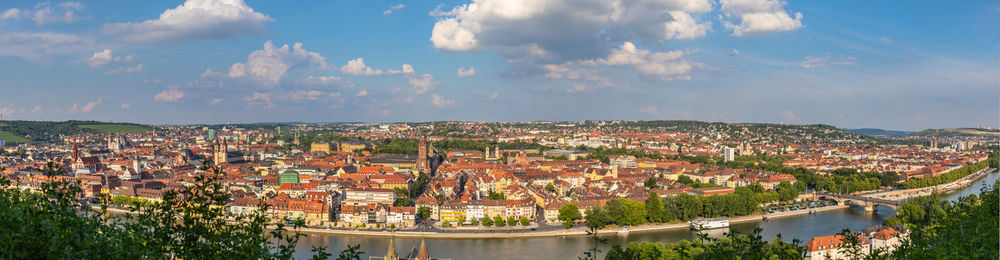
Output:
x=802 y=227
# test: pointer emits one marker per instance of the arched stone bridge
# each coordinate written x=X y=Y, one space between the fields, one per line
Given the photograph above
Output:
x=868 y=203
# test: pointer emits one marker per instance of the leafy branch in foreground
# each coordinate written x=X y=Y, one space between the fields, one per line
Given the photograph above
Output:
x=188 y=223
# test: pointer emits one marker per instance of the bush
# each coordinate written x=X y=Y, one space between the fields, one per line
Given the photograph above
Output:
x=186 y=224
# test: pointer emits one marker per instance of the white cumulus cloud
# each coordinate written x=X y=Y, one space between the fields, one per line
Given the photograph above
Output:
x=462 y=72
x=172 y=94
x=45 y=13
x=422 y=83
x=758 y=16
x=521 y=31
x=684 y=27
x=193 y=20
x=358 y=67
x=654 y=65
x=270 y=65
x=106 y=57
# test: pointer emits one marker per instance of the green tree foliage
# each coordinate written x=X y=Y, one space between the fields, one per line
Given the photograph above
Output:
x=496 y=196
x=682 y=207
x=512 y=221
x=597 y=217
x=185 y=224
x=786 y=191
x=732 y=246
x=921 y=211
x=950 y=176
x=569 y=213
x=423 y=213
x=967 y=229
x=651 y=183
x=625 y=212
x=487 y=221
x=688 y=206
x=402 y=198
x=52 y=131
x=498 y=221
x=549 y=187
x=654 y=209
x=525 y=221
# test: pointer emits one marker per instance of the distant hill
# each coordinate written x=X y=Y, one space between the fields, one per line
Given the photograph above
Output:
x=958 y=132
x=878 y=132
x=17 y=132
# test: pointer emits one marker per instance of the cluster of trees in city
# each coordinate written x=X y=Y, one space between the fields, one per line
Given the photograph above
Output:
x=187 y=224
x=499 y=221
x=950 y=176
x=694 y=183
x=731 y=246
x=683 y=207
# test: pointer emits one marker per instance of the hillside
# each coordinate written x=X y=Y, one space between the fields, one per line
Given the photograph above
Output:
x=875 y=132
x=17 y=132
x=958 y=132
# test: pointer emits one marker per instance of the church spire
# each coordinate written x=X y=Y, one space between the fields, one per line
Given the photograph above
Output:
x=422 y=254
x=391 y=253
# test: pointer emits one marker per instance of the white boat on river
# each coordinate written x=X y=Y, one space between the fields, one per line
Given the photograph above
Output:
x=702 y=224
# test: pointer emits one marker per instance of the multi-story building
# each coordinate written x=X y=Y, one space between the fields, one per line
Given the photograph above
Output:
x=453 y=211
x=319 y=148
x=369 y=196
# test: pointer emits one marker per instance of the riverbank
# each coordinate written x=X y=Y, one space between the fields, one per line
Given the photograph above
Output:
x=521 y=233
x=946 y=188
x=578 y=231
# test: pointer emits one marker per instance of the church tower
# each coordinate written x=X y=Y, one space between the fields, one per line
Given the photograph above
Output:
x=391 y=253
x=221 y=152
x=422 y=163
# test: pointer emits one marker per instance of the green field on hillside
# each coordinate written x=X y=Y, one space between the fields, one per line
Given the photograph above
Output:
x=117 y=129
x=12 y=139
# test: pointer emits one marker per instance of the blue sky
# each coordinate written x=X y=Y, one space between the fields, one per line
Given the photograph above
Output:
x=898 y=65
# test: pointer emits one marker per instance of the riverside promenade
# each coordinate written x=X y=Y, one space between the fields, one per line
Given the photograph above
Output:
x=576 y=231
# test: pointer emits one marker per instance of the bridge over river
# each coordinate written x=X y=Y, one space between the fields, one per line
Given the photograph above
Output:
x=869 y=203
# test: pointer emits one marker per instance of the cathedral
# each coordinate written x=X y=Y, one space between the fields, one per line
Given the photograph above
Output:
x=221 y=154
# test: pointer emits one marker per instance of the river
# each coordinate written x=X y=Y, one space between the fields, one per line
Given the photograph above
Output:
x=802 y=227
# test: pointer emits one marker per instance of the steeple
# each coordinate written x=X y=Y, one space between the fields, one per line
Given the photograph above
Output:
x=391 y=253
x=422 y=254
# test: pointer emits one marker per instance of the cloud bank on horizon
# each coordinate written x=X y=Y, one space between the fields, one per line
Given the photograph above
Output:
x=849 y=64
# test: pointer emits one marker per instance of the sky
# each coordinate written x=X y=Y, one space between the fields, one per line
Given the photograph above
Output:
x=904 y=65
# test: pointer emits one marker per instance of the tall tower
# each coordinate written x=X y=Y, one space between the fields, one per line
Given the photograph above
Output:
x=221 y=152
x=422 y=163
x=76 y=150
